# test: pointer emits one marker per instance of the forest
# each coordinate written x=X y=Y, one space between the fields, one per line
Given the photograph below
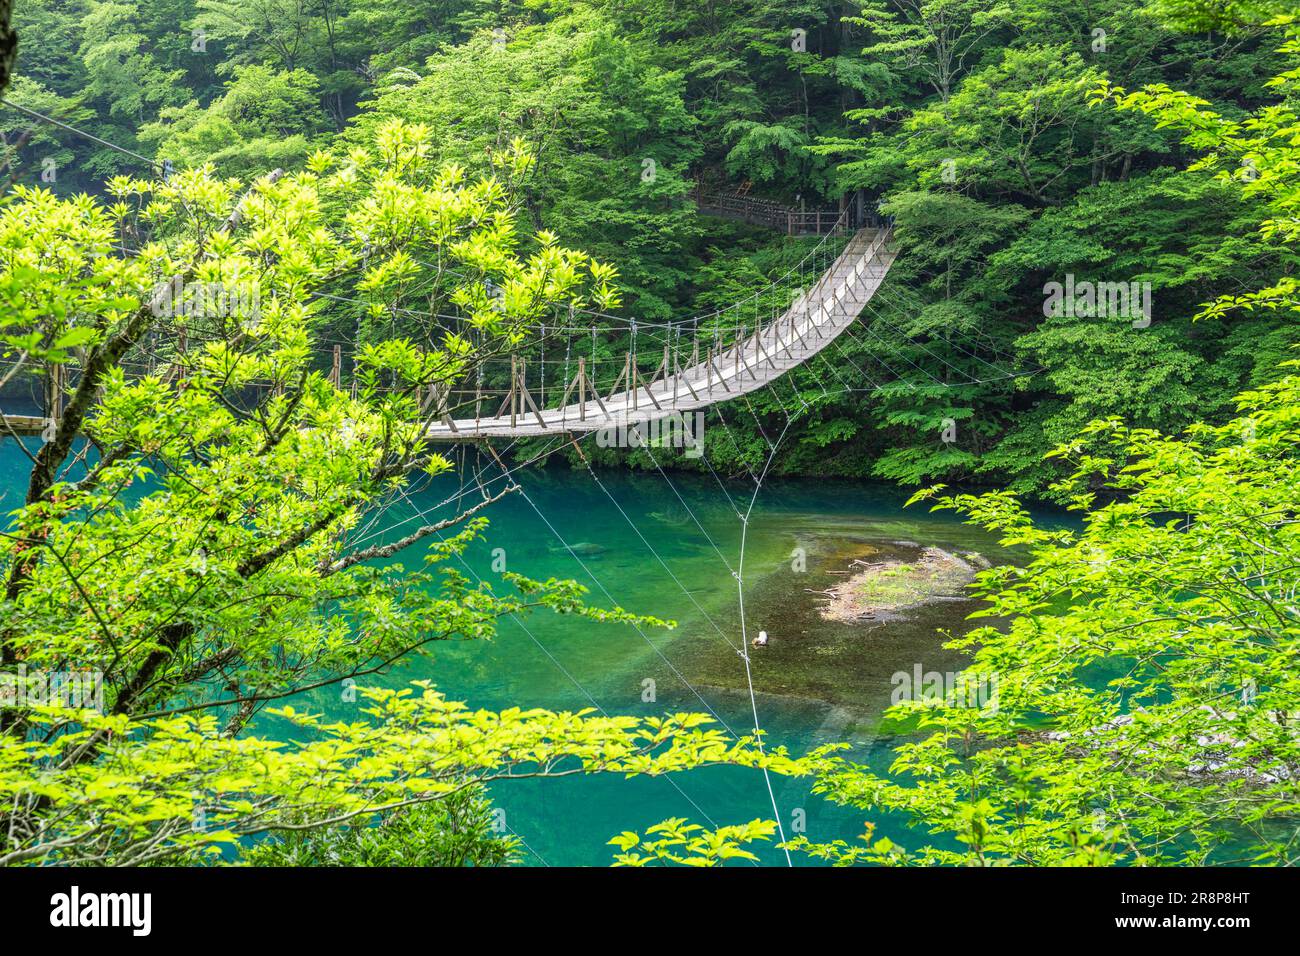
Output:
x=1084 y=347
x=970 y=123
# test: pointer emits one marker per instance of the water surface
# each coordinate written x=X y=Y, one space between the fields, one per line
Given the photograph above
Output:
x=670 y=547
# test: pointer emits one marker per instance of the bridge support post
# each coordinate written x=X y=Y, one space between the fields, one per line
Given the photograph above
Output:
x=580 y=383
x=715 y=356
x=637 y=382
x=777 y=344
x=632 y=377
x=437 y=404
x=667 y=370
x=765 y=353
x=582 y=388
x=684 y=379
x=526 y=402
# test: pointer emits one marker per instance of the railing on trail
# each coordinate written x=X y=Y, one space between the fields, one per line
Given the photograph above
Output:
x=793 y=221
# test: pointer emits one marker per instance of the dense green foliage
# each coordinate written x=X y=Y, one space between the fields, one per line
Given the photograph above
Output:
x=454 y=831
x=193 y=531
x=968 y=119
x=457 y=155
x=1146 y=705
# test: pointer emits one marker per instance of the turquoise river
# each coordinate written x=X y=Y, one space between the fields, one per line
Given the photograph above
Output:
x=670 y=549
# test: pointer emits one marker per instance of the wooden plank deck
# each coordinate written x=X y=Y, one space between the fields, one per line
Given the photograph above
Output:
x=23 y=425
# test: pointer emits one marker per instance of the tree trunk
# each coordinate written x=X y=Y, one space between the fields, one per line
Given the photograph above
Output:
x=8 y=44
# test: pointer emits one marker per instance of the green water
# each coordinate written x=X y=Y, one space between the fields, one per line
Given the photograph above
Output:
x=670 y=550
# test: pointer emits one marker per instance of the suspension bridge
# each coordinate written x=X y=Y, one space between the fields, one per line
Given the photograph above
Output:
x=727 y=354
x=668 y=370
x=711 y=374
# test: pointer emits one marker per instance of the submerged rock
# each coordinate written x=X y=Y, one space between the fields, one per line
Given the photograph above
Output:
x=583 y=549
x=884 y=587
